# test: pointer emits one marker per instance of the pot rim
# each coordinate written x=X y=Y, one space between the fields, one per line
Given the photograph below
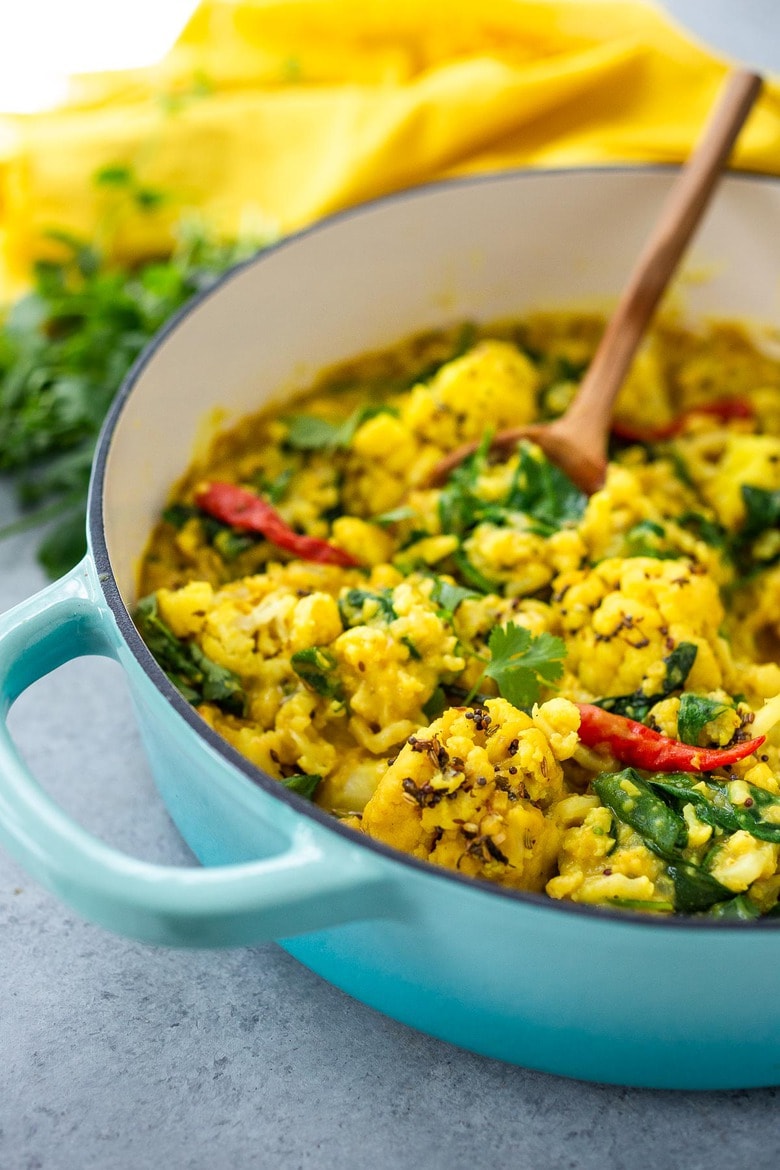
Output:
x=149 y=665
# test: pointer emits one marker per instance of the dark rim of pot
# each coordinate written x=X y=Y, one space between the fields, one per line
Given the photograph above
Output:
x=96 y=531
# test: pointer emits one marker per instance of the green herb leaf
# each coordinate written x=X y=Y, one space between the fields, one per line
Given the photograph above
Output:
x=712 y=802
x=521 y=662
x=645 y=540
x=762 y=510
x=472 y=575
x=114 y=175
x=460 y=509
x=704 y=529
x=695 y=713
x=741 y=908
x=436 y=705
x=318 y=669
x=545 y=493
x=65 y=348
x=359 y=607
x=309 y=432
x=218 y=684
x=634 y=802
x=449 y=596
x=394 y=516
x=305 y=784
x=191 y=671
x=177 y=515
x=694 y=889
x=65 y=545
x=637 y=705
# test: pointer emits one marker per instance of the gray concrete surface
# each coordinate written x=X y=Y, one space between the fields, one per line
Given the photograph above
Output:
x=116 y=1056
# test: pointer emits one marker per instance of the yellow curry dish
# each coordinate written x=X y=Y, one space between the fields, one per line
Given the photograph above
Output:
x=501 y=676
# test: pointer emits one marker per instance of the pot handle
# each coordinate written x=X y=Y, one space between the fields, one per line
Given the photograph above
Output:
x=304 y=888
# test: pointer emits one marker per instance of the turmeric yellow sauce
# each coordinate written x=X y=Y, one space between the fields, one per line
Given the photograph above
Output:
x=438 y=666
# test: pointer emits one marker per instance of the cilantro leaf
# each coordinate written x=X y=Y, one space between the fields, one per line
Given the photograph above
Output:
x=65 y=348
x=520 y=662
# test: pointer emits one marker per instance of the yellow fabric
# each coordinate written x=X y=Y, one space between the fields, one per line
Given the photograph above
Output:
x=274 y=112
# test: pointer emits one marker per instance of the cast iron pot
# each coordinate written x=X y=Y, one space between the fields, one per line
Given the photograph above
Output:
x=578 y=991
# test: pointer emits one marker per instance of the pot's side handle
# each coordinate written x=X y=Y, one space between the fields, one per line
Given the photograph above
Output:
x=299 y=890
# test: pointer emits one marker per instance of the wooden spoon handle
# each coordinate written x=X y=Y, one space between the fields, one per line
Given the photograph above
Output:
x=591 y=411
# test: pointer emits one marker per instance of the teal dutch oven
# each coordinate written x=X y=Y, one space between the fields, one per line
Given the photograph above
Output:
x=578 y=991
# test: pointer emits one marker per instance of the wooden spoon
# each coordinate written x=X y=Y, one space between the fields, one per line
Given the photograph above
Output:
x=577 y=441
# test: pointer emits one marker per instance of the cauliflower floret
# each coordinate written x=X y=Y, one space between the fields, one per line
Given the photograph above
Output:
x=471 y=792
x=623 y=617
x=493 y=380
x=721 y=462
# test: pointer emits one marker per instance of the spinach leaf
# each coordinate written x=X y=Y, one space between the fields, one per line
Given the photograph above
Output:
x=472 y=575
x=762 y=510
x=449 y=596
x=276 y=489
x=712 y=803
x=637 y=705
x=694 y=889
x=305 y=784
x=228 y=542
x=695 y=713
x=317 y=668
x=545 y=493
x=309 y=432
x=460 y=508
x=645 y=540
x=436 y=705
x=710 y=531
x=384 y=519
x=218 y=684
x=741 y=907
x=760 y=818
x=177 y=515
x=413 y=651
x=634 y=802
x=192 y=672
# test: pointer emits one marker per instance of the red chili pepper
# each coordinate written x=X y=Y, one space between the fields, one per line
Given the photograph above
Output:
x=638 y=746
x=723 y=409
x=247 y=511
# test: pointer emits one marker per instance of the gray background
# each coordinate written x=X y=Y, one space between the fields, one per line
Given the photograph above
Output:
x=117 y=1055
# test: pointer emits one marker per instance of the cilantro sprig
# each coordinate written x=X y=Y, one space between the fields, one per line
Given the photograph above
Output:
x=522 y=662
x=65 y=348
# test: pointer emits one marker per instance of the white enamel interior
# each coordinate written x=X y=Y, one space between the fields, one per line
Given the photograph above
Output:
x=477 y=249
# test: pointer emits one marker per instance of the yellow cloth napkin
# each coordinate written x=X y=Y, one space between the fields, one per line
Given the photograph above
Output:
x=273 y=112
